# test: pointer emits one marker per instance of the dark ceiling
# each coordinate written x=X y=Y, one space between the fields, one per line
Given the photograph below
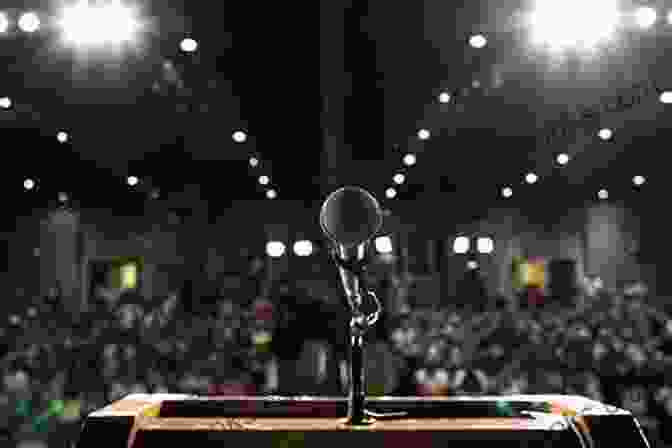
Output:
x=267 y=68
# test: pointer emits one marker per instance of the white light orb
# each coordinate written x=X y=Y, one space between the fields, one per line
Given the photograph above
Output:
x=254 y=162
x=485 y=245
x=461 y=245
x=383 y=245
x=507 y=192
x=239 y=137
x=303 y=248
x=605 y=134
x=271 y=194
x=5 y=102
x=390 y=193
x=563 y=159
x=424 y=134
x=603 y=194
x=29 y=184
x=264 y=180
x=478 y=41
x=444 y=97
x=666 y=97
x=62 y=137
x=531 y=178
x=275 y=249
x=188 y=45
x=29 y=22
x=638 y=180
x=645 y=16
x=132 y=181
x=4 y=22
x=399 y=178
x=410 y=159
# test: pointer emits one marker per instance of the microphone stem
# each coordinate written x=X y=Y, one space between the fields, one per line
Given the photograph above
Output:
x=356 y=411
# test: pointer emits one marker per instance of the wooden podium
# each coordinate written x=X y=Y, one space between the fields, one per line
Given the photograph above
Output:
x=546 y=421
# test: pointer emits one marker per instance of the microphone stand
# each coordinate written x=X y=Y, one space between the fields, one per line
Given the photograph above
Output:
x=359 y=324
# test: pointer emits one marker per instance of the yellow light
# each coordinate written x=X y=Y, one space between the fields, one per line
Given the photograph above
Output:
x=129 y=276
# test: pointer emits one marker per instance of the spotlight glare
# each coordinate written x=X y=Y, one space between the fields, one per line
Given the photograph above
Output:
x=29 y=184
x=399 y=178
x=254 y=162
x=638 y=180
x=188 y=45
x=239 y=137
x=264 y=180
x=605 y=134
x=84 y=24
x=271 y=194
x=62 y=137
x=478 y=41
x=423 y=134
x=531 y=178
x=383 y=245
x=592 y=23
x=275 y=249
x=507 y=192
x=4 y=22
x=461 y=245
x=666 y=97
x=410 y=159
x=444 y=97
x=5 y=102
x=132 y=181
x=645 y=16
x=485 y=245
x=390 y=193
x=563 y=159
x=603 y=194
x=29 y=22
x=303 y=248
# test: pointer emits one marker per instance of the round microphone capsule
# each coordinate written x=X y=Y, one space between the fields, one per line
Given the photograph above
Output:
x=350 y=216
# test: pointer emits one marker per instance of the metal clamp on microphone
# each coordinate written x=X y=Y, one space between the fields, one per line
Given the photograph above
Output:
x=350 y=217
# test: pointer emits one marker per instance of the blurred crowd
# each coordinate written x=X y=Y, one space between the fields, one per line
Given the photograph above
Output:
x=57 y=366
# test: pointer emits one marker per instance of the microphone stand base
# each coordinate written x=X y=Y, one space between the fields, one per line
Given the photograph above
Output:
x=365 y=421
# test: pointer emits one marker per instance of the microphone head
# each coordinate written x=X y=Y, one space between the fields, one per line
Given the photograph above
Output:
x=350 y=216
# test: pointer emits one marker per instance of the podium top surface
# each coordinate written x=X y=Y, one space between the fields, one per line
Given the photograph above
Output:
x=576 y=421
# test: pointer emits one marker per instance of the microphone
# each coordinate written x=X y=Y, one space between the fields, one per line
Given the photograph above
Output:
x=350 y=217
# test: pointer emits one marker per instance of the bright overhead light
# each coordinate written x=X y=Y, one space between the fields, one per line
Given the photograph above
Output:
x=29 y=22
x=563 y=159
x=5 y=102
x=423 y=134
x=399 y=178
x=603 y=194
x=573 y=24
x=390 y=193
x=410 y=159
x=4 y=22
x=90 y=25
x=666 y=97
x=478 y=41
x=239 y=137
x=638 y=180
x=271 y=194
x=605 y=134
x=444 y=97
x=29 y=184
x=188 y=45
x=461 y=245
x=646 y=16
x=507 y=192
x=531 y=178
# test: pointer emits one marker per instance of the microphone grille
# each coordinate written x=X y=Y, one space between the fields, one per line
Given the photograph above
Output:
x=350 y=216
